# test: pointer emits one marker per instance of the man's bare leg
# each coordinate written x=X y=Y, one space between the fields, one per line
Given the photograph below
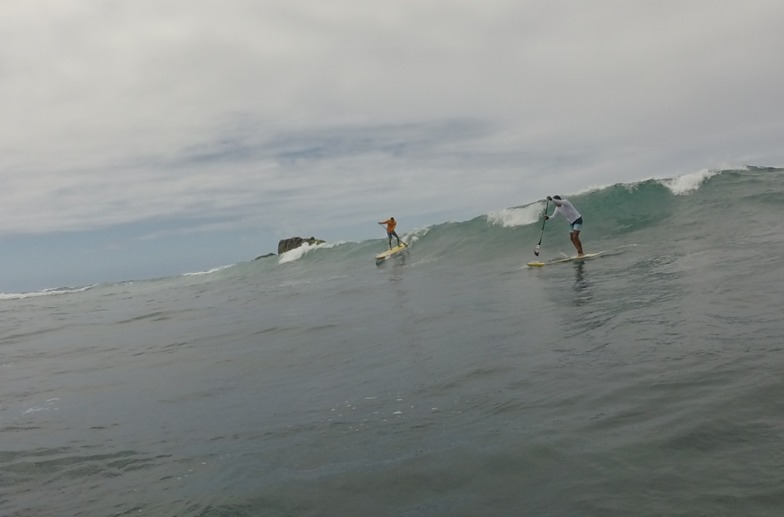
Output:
x=575 y=236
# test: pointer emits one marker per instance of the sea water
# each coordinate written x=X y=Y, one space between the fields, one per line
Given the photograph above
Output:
x=451 y=381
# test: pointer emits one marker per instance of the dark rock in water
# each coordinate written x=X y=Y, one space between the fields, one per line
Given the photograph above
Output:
x=264 y=256
x=295 y=242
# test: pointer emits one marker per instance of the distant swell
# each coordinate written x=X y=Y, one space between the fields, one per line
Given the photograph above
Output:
x=611 y=213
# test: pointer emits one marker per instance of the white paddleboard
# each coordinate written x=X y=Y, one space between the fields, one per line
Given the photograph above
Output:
x=381 y=257
x=586 y=256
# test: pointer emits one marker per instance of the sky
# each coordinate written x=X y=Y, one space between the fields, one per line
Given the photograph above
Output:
x=148 y=138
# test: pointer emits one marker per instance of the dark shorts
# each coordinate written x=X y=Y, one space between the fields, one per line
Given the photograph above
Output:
x=577 y=224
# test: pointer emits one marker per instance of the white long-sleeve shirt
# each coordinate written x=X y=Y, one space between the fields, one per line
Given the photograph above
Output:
x=565 y=208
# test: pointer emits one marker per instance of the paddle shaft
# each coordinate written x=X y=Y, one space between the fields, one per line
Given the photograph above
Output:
x=546 y=206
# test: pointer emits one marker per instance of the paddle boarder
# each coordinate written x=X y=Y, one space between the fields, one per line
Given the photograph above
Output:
x=391 y=224
x=565 y=208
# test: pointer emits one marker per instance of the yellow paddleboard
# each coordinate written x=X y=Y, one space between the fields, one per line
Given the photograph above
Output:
x=381 y=257
x=567 y=259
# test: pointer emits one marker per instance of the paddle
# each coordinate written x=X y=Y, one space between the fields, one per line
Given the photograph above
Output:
x=538 y=246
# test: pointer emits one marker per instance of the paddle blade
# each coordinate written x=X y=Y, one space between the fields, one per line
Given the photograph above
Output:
x=536 y=250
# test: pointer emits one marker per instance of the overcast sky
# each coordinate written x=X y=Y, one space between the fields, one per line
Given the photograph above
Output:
x=142 y=138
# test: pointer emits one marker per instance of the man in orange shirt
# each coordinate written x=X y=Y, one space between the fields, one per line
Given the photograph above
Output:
x=391 y=224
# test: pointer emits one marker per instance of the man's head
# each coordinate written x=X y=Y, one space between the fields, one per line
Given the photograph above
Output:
x=557 y=197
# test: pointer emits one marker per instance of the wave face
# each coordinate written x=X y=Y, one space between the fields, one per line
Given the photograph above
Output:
x=650 y=211
x=654 y=210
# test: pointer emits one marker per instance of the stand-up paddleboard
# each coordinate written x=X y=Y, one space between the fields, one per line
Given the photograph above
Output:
x=567 y=259
x=397 y=250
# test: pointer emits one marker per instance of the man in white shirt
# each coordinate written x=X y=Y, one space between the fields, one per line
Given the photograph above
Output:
x=565 y=208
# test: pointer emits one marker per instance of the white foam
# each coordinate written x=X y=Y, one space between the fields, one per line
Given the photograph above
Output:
x=686 y=183
x=304 y=249
x=522 y=216
x=50 y=404
x=414 y=235
x=210 y=271
x=328 y=245
x=45 y=292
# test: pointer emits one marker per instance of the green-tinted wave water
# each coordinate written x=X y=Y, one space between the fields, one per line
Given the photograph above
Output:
x=650 y=211
x=615 y=216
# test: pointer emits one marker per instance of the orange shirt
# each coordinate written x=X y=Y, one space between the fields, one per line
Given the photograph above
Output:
x=391 y=223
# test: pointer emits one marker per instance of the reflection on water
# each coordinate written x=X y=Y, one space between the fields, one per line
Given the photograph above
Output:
x=582 y=286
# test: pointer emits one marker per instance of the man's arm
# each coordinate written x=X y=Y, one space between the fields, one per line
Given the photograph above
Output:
x=556 y=202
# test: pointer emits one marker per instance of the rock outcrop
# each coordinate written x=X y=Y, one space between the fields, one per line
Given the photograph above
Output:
x=295 y=242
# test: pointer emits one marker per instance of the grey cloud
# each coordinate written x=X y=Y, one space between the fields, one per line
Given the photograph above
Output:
x=122 y=111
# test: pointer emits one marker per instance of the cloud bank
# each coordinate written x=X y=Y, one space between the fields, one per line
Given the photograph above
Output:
x=240 y=113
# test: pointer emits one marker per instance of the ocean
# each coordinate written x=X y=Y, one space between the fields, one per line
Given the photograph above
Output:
x=451 y=381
